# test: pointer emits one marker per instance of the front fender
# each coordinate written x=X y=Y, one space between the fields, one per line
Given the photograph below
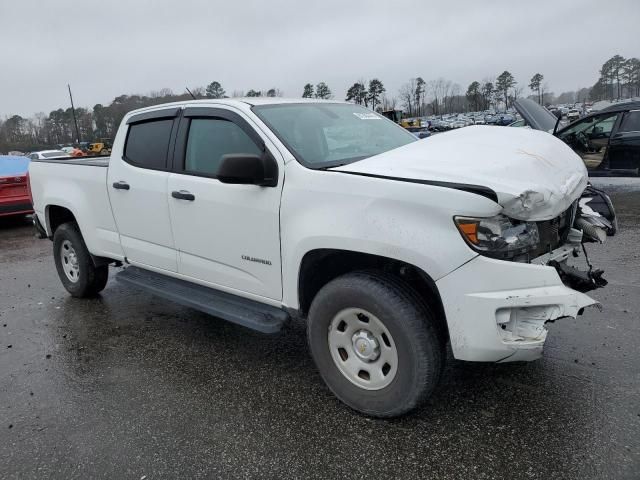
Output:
x=409 y=222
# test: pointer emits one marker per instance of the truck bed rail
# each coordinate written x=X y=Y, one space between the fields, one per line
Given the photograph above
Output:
x=101 y=161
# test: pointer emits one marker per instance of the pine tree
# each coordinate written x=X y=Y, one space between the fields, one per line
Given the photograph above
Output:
x=308 y=91
x=323 y=91
x=215 y=90
x=376 y=89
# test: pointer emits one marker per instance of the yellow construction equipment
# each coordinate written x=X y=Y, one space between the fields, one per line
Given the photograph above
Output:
x=103 y=147
x=396 y=116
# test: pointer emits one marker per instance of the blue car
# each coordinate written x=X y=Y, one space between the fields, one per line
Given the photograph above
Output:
x=504 y=119
x=420 y=132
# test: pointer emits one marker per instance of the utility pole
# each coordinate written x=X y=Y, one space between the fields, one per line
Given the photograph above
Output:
x=73 y=111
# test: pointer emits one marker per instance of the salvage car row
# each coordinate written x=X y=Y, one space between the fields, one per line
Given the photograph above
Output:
x=607 y=139
x=443 y=123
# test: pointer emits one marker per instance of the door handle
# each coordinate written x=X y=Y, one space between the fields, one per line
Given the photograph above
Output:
x=183 y=195
x=121 y=185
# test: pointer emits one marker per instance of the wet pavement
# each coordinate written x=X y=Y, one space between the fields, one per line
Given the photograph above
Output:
x=131 y=386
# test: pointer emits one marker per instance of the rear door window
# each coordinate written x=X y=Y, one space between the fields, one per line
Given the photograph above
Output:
x=630 y=122
x=148 y=143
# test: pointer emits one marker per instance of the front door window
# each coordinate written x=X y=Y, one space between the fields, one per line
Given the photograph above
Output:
x=590 y=138
x=210 y=139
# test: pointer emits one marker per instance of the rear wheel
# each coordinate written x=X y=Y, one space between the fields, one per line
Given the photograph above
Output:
x=75 y=266
x=375 y=344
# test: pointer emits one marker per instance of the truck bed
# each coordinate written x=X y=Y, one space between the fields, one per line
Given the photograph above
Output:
x=68 y=184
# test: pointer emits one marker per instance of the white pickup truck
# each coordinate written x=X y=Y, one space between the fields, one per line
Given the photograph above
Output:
x=390 y=247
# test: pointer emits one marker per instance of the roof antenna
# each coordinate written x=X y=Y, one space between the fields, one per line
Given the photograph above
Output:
x=192 y=95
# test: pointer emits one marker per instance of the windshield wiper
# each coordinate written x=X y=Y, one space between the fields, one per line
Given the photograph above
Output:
x=338 y=163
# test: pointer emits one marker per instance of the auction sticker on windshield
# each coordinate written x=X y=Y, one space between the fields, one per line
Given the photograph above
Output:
x=367 y=116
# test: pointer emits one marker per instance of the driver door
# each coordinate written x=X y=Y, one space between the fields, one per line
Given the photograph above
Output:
x=589 y=138
x=227 y=235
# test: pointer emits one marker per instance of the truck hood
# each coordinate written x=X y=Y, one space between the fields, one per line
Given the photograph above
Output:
x=534 y=175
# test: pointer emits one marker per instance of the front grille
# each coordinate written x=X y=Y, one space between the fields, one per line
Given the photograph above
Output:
x=554 y=232
x=549 y=233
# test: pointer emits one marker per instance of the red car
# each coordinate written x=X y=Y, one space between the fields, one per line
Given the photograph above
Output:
x=14 y=190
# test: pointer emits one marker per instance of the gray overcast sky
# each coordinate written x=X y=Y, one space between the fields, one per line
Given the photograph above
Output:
x=111 y=47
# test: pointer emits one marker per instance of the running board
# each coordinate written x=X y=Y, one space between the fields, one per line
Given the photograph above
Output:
x=235 y=309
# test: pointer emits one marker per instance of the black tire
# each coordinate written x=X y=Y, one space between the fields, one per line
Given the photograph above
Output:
x=90 y=279
x=420 y=345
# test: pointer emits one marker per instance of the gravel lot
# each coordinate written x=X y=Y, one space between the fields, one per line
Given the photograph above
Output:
x=131 y=386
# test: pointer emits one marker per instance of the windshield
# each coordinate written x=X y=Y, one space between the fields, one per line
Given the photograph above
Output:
x=602 y=124
x=324 y=135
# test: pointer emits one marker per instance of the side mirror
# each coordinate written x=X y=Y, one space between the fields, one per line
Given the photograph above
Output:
x=557 y=113
x=248 y=169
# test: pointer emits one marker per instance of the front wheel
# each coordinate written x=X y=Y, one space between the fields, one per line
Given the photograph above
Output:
x=75 y=266
x=375 y=344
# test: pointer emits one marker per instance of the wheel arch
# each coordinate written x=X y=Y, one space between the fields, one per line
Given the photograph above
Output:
x=318 y=267
x=56 y=215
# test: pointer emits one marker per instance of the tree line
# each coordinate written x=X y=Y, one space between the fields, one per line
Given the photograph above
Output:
x=101 y=122
x=619 y=78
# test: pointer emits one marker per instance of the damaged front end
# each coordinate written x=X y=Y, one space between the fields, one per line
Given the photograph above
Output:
x=511 y=310
x=522 y=327
x=591 y=219
x=555 y=242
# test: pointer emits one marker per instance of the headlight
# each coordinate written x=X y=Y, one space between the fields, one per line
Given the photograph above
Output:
x=499 y=236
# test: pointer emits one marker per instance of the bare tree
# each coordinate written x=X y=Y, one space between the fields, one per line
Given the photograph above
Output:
x=487 y=91
x=406 y=93
x=198 y=92
x=517 y=92
x=440 y=91
x=389 y=103
x=454 y=94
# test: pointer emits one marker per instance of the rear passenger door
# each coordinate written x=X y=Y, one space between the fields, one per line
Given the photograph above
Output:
x=624 y=147
x=227 y=235
x=137 y=185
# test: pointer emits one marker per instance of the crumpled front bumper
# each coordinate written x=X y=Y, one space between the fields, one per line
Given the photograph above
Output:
x=496 y=310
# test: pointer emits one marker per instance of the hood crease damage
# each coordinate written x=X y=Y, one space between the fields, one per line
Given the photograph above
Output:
x=535 y=176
